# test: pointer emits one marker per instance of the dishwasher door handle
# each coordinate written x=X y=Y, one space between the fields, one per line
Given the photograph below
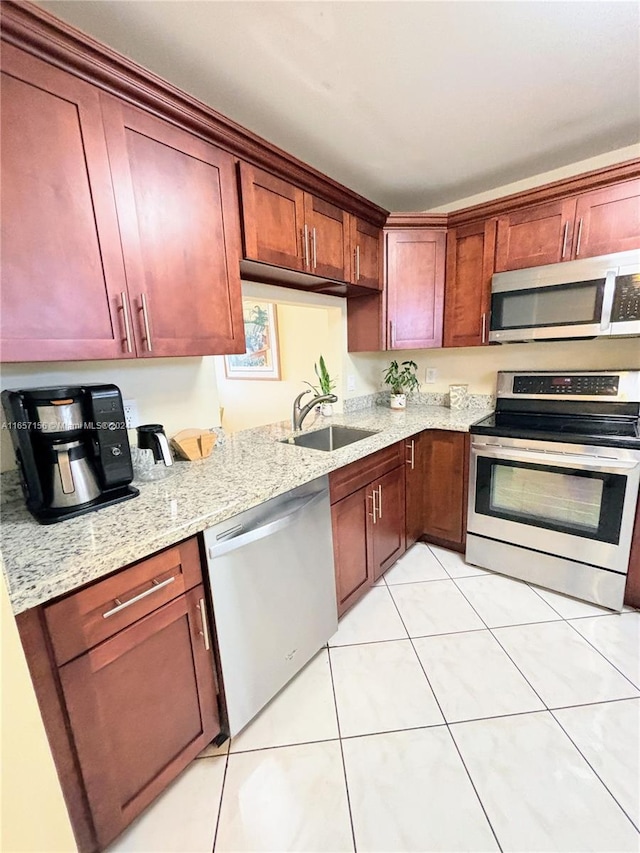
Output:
x=280 y=522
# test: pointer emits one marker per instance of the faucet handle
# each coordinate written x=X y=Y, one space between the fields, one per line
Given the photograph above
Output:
x=296 y=402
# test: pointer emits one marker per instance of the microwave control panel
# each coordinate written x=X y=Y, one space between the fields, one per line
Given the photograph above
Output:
x=589 y=385
x=626 y=301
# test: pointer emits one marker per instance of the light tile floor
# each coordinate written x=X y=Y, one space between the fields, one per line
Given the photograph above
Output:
x=454 y=709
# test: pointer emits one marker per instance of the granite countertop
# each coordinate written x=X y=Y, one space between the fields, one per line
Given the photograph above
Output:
x=42 y=562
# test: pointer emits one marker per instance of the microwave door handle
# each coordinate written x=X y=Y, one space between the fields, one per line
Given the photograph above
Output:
x=607 y=299
x=569 y=460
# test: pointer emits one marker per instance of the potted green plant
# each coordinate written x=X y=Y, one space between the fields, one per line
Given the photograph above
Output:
x=402 y=380
x=325 y=385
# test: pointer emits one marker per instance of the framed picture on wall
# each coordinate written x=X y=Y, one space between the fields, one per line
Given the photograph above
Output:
x=261 y=359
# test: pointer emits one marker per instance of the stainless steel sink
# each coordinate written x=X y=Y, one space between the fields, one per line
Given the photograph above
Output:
x=330 y=438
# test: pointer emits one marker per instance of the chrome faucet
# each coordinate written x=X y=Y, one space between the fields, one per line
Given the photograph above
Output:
x=300 y=412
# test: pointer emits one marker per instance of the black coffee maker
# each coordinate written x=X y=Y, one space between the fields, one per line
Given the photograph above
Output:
x=72 y=449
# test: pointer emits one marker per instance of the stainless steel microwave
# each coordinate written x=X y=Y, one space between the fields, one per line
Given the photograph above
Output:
x=588 y=298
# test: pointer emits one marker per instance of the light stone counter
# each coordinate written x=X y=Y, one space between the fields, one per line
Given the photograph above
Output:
x=43 y=562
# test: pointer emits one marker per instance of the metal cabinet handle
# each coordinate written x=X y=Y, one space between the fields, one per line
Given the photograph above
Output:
x=484 y=327
x=564 y=239
x=372 y=497
x=392 y=342
x=127 y=323
x=379 y=501
x=156 y=585
x=412 y=460
x=205 y=626
x=145 y=318
x=579 y=237
x=305 y=246
x=357 y=263
x=313 y=245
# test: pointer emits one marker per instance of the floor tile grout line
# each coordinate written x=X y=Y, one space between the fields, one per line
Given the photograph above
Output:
x=602 y=654
x=398 y=639
x=224 y=779
x=596 y=774
x=475 y=790
x=344 y=765
x=285 y=745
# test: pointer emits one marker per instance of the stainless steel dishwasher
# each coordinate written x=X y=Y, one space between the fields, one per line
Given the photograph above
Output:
x=273 y=590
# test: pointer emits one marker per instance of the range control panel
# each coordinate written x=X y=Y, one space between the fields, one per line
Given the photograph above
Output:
x=587 y=385
x=626 y=302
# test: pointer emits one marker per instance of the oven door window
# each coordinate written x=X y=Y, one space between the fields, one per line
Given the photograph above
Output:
x=588 y=504
x=544 y=307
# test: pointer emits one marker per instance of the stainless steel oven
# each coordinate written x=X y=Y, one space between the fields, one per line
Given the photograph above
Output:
x=587 y=298
x=553 y=483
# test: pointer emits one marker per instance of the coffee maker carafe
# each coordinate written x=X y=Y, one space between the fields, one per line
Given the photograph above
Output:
x=72 y=449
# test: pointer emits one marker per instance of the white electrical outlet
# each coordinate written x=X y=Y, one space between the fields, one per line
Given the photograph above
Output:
x=432 y=375
x=351 y=382
x=131 y=417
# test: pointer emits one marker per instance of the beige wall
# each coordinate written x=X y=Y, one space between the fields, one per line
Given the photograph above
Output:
x=34 y=817
x=599 y=162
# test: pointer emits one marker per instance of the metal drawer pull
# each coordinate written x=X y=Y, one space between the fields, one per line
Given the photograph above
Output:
x=379 y=501
x=125 y=317
x=357 y=263
x=484 y=327
x=305 y=245
x=205 y=627
x=391 y=340
x=145 y=317
x=372 y=497
x=564 y=239
x=315 y=254
x=156 y=585
x=412 y=460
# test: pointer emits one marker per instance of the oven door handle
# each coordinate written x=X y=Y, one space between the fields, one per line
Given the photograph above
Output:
x=568 y=460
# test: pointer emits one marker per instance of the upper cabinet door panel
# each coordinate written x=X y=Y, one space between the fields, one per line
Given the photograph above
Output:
x=328 y=238
x=272 y=220
x=415 y=288
x=537 y=235
x=177 y=208
x=62 y=267
x=608 y=220
x=470 y=251
x=366 y=254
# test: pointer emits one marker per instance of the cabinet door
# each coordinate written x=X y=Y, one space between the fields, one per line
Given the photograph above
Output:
x=446 y=467
x=178 y=213
x=388 y=530
x=328 y=228
x=63 y=284
x=415 y=288
x=272 y=220
x=141 y=706
x=608 y=220
x=414 y=488
x=537 y=235
x=366 y=254
x=350 y=546
x=467 y=298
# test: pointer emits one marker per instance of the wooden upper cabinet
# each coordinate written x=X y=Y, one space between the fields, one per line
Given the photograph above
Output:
x=608 y=220
x=178 y=213
x=415 y=288
x=272 y=219
x=62 y=270
x=470 y=253
x=542 y=234
x=366 y=253
x=328 y=228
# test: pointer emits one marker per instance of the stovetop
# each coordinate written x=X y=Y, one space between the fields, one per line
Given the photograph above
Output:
x=607 y=432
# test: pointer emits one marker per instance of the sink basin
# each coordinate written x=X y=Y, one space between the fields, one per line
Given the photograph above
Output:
x=330 y=438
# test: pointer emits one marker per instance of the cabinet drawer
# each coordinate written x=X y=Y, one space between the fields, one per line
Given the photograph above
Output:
x=352 y=477
x=86 y=618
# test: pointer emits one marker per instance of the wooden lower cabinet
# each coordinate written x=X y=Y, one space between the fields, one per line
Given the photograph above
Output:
x=446 y=478
x=368 y=520
x=414 y=488
x=127 y=715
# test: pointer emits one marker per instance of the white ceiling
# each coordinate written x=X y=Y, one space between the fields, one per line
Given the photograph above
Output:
x=412 y=104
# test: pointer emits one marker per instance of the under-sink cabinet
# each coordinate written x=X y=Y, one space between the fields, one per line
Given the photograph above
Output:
x=125 y=678
x=368 y=521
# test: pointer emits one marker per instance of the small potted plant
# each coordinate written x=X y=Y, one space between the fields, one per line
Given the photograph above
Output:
x=325 y=385
x=402 y=380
